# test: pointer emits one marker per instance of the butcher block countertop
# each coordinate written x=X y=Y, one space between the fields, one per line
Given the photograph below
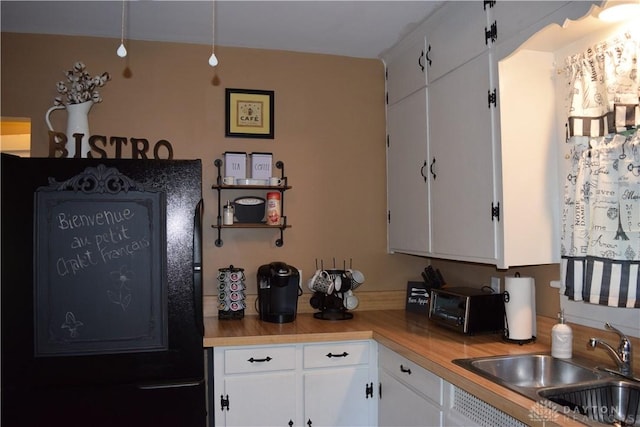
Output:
x=413 y=336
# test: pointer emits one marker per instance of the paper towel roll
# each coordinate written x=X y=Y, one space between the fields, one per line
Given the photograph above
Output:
x=520 y=308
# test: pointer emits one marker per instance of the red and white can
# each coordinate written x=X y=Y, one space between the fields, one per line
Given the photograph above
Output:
x=274 y=208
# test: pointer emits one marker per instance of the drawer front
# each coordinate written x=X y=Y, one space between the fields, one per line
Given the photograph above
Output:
x=411 y=374
x=259 y=359
x=336 y=354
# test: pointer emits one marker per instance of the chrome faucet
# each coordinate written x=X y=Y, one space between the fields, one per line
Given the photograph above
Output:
x=622 y=355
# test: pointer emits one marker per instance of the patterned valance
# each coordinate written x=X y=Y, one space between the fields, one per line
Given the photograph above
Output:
x=600 y=241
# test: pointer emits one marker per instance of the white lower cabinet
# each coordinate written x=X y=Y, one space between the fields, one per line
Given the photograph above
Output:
x=258 y=400
x=327 y=384
x=340 y=384
x=409 y=394
x=402 y=406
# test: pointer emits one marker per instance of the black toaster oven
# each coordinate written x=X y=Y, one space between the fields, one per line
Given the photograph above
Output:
x=467 y=310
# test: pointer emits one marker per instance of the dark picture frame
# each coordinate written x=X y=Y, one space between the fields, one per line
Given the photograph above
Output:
x=249 y=113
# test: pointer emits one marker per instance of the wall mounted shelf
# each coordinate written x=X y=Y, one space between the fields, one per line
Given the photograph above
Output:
x=220 y=188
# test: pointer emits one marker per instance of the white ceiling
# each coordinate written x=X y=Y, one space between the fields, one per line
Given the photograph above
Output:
x=345 y=27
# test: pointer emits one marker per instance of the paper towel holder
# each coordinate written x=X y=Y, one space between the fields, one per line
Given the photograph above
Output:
x=507 y=337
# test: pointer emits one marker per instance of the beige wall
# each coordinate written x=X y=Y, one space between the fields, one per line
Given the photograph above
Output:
x=329 y=132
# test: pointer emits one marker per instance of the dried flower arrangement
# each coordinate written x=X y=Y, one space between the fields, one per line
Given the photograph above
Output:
x=81 y=86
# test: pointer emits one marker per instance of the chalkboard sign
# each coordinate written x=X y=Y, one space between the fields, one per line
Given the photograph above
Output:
x=100 y=264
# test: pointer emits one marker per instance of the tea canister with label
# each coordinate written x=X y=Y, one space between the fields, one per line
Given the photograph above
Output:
x=273 y=208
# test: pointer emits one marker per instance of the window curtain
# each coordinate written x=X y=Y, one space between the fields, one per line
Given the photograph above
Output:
x=600 y=241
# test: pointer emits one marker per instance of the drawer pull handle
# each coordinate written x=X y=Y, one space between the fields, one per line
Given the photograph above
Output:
x=405 y=370
x=266 y=359
x=344 y=354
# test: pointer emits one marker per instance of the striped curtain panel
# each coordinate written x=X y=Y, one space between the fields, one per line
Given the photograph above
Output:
x=600 y=241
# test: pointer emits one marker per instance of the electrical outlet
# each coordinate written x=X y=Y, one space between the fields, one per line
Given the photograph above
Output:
x=495 y=285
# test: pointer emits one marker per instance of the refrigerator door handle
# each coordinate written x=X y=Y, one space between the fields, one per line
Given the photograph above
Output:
x=197 y=267
x=164 y=385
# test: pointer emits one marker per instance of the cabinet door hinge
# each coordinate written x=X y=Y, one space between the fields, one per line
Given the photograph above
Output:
x=492 y=98
x=369 y=391
x=224 y=402
x=495 y=211
x=489 y=3
x=491 y=33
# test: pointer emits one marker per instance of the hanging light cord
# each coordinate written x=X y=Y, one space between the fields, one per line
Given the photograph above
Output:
x=213 y=60
x=122 y=51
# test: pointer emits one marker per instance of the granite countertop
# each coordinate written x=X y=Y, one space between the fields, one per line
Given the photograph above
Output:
x=409 y=334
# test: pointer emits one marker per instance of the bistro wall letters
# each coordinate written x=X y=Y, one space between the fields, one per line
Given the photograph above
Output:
x=140 y=148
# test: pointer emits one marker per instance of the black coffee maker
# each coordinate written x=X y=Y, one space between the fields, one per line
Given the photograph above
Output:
x=278 y=291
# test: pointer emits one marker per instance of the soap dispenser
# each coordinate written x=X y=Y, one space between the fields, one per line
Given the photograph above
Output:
x=561 y=339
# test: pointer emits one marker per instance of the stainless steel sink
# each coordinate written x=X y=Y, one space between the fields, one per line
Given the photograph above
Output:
x=609 y=401
x=529 y=370
x=569 y=386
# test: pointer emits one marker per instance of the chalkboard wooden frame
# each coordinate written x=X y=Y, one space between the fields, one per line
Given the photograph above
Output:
x=100 y=266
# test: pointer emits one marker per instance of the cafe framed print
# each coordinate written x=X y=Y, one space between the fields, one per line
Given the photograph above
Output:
x=249 y=113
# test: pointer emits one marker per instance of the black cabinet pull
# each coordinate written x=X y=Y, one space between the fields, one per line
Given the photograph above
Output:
x=427 y=55
x=266 y=359
x=422 y=171
x=344 y=354
x=309 y=423
x=405 y=370
x=290 y=423
x=433 y=162
x=421 y=60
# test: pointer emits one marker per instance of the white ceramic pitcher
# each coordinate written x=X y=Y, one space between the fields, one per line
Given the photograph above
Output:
x=77 y=122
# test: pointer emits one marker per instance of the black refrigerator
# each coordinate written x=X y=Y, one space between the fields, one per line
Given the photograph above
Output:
x=101 y=293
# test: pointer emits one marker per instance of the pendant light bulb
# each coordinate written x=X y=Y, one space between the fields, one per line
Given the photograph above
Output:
x=213 y=60
x=122 y=51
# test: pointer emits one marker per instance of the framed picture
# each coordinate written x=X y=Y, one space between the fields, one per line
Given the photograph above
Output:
x=249 y=113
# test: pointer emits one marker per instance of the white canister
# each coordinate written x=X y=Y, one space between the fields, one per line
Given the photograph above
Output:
x=273 y=208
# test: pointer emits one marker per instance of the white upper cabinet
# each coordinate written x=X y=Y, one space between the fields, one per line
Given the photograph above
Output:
x=461 y=162
x=406 y=71
x=491 y=160
x=455 y=34
x=407 y=170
